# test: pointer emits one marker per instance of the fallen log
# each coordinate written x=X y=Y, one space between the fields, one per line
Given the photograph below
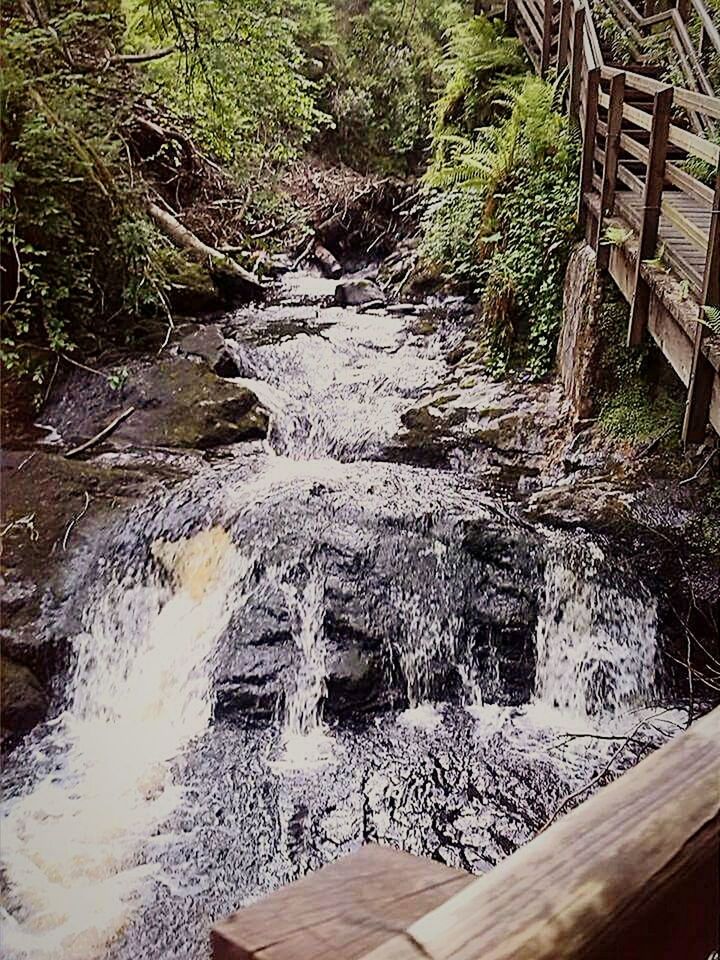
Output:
x=228 y=273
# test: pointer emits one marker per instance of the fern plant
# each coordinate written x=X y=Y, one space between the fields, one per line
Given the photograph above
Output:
x=711 y=319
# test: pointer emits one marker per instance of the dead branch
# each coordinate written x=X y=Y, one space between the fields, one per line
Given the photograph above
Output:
x=76 y=519
x=103 y=433
x=143 y=57
x=216 y=261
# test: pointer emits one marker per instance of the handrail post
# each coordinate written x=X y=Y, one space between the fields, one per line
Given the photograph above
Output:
x=588 y=154
x=612 y=155
x=546 y=37
x=564 y=38
x=702 y=372
x=577 y=59
x=652 y=199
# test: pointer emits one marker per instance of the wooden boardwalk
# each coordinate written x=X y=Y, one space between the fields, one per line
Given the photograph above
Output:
x=638 y=134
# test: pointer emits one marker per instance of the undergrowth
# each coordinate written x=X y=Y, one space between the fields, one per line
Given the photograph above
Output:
x=636 y=405
x=501 y=208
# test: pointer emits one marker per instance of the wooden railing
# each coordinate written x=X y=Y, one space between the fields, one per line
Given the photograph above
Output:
x=638 y=135
x=631 y=873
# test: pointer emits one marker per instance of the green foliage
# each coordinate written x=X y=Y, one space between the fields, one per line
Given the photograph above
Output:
x=76 y=251
x=380 y=65
x=634 y=406
x=501 y=220
x=237 y=75
x=480 y=66
x=711 y=319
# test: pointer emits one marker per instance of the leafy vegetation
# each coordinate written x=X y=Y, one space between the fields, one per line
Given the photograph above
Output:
x=76 y=249
x=244 y=85
x=501 y=214
x=636 y=405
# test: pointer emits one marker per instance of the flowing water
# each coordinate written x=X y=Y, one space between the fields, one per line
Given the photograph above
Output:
x=306 y=647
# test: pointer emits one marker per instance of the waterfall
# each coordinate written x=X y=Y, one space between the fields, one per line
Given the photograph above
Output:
x=596 y=645
x=140 y=691
x=304 y=736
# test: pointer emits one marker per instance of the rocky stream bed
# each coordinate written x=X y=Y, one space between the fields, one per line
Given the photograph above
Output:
x=327 y=583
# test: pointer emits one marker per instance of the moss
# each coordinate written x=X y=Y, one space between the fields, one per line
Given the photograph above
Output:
x=634 y=413
x=642 y=400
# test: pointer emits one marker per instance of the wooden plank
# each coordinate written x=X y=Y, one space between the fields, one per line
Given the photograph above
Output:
x=564 y=41
x=588 y=154
x=342 y=910
x=680 y=178
x=652 y=197
x=529 y=22
x=612 y=156
x=689 y=99
x=547 y=36
x=702 y=376
x=631 y=873
x=684 y=224
x=576 y=66
x=635 y=149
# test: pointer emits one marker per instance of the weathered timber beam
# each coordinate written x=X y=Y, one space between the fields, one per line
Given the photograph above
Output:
x=632 y=873
x=219 y=263
x=652 y=197
x=702 y=374
x=612 y=155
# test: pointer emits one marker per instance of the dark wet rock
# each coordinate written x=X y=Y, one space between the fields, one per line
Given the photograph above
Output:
x=352 y=293
x=23 y=699
x=596 y=504
x=208 y=343
x=178 y=403
x=327 y=262
x=193 y=292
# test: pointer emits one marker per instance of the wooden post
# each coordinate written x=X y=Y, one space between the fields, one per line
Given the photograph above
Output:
x=564 y=38
x=652 y=198
x=702 y=373
x=577 y=60
x=546 y=37
x=612 y=155
x=588 y=154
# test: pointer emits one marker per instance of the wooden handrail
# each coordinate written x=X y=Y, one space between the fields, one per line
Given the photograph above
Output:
x=673 y=225
x=632 y=872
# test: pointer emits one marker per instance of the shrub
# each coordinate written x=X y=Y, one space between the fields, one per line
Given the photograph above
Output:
x=501 y=220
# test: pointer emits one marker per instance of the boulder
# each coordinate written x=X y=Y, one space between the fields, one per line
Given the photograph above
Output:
x=178 y=403
x=580 y=346
x=24 y=701
x=328 y=264
x=208 y=343
x=352 y=293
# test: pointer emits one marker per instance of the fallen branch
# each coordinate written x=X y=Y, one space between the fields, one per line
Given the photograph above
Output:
x=217 y=262
x=76 y=519
x=113 y=425
x=699 y=470
x=143 y=57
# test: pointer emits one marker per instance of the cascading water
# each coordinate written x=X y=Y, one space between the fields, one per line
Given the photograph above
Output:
x=141 y=690
x=134 y=822
x=596 y=645
x=304 y=737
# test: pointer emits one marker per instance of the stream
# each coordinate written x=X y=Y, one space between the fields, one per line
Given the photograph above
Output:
x=309 y=645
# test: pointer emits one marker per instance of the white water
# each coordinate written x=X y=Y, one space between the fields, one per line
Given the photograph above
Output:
x=140 y=692
x=305 y=739
x=74 y=847
x=596 y=645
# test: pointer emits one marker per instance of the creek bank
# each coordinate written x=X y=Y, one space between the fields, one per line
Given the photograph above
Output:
x=513 y=437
